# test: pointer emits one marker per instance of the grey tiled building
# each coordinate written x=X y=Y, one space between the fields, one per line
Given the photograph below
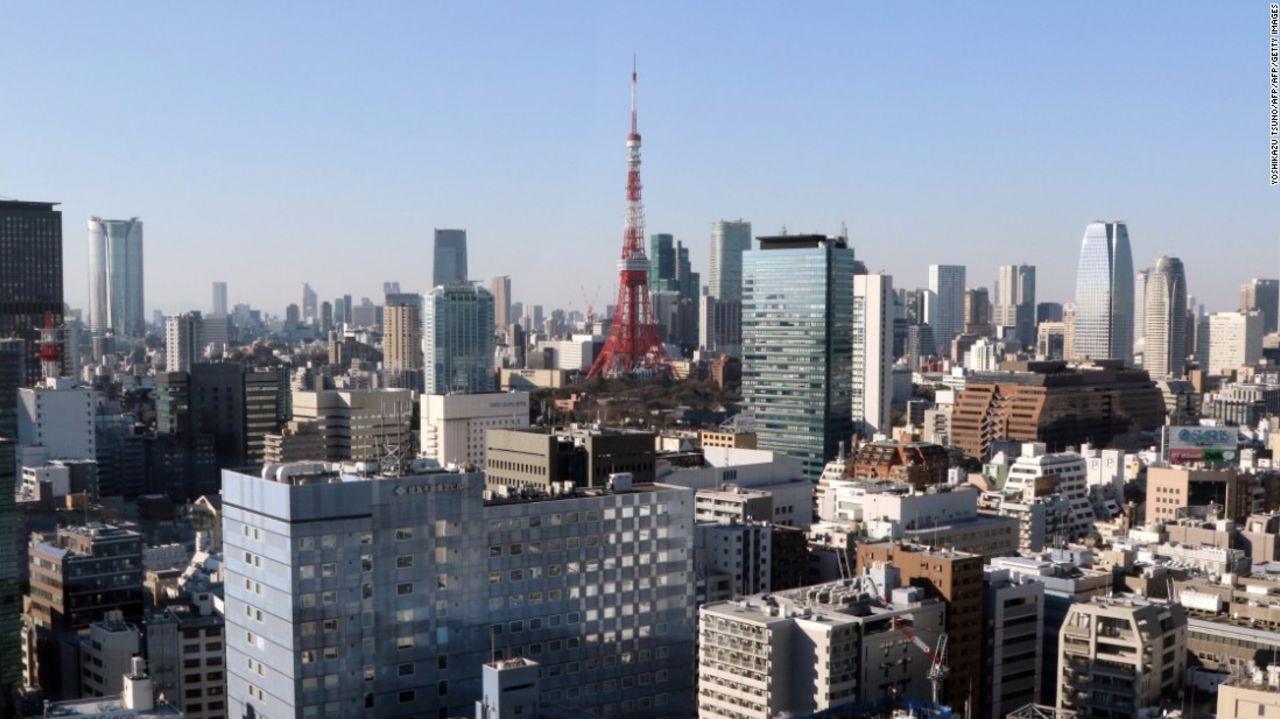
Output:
x=368 y=595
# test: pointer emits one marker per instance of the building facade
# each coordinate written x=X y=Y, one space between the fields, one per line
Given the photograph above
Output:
x=872 y=389
x=1164 y=348
x=449 y=266
x=946 y=282
x=1103 y=319
x=454 y=425
x=402 y=345
x=31 y=273
x=360 y=425
x=116 y=300
x=183 y=341
x=459 y=340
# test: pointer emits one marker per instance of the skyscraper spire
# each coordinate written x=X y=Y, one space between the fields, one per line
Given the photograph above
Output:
x=634 y=342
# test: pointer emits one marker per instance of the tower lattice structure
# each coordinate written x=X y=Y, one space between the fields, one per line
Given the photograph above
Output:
x=634 y=342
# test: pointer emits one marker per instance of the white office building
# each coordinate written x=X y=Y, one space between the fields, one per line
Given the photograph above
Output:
x=360 y=425
x=454 y=425
x=354 y=594
x=56 y=421
x=873 y=315
x=1233 y=341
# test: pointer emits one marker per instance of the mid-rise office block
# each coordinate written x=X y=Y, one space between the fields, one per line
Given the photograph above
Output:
x=378 y=595
x=360 y=425
x=116 y=301
x=454 y=425
x=1013 y=616
x=534 y=459
x=297 y=441
x=1251 y=696
x=1171 y=489
x=56 y=421
x=459 y=340
x=797 y=351
x=1119 y=656
x=106 y=654
x=829 y=647
x=31 y=273
x=186 y=649
x=1054 y=403
x=1038 y=473
x=1233 y=340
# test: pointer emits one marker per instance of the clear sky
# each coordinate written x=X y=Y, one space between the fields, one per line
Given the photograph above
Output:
x=270 y=143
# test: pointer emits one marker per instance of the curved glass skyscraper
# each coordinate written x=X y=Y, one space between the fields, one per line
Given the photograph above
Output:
x=1104 y=294
x=1164 y=351
x=115 y=277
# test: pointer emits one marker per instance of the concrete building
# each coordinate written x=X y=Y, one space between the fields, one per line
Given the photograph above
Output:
x=402 y=345
x=1120 y=656
x=1054 y=403
x=797 y=311
x=116 y=301
x=1103 y=320
x=383 y=595
x=728 y=439
x=1252 y=696
x=219 y=306
x=814 y=649
x=31 y=243
x=106 y=655
x=450 y=258
x=585 y=457
x=459 y=340
x=137 y=700
x=297 y=440
x=1233 y=340
x=360 y=425
x=1262 y=296
x=454 y=425
x=184 y=341
x=186 y=647
x=732 y=559
x=1013 y=615
x=918 y=464
x=956 y=579
x=1015 y=301
x=1038 y=473
x=1172 y=488
x=872 y=390
x=56 y=421
x=77 y=576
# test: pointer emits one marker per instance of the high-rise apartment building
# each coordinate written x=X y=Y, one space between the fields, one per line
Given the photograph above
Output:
x=1164 y=318
x=219 y=298
x=797 y=345
x=1230 y=341
x=729 y=239
x=31 y=275
x=450 y=258
x=184 y=341
x=383 y=595
x=1264 y=297
x=116 y=278
x=501 y=289
x=402 y=345
x=946 y=282
x=1104 y=322
x=872 y=389
x=360 y=425
x=1120 y=656
x=459 y=340
x=1015 y=302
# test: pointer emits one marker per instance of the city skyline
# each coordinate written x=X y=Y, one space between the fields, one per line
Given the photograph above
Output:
x=253 y=163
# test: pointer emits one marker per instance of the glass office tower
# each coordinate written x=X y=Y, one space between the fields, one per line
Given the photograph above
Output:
x=459 y=344
x=797 y=345
x=1104 y=294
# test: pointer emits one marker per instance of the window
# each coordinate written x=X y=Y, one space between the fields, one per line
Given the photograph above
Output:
x=404 y=642
x=404 y=588
x=405 y=669
x=404 y=561
x=404 y=534
x=442 y=555
x=366 y=562
x=329 y=570
x=407 y=696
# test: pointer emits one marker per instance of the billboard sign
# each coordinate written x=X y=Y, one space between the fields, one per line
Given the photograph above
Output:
x=1216 y=445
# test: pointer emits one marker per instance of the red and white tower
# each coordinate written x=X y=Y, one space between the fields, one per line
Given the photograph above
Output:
x=634 y=342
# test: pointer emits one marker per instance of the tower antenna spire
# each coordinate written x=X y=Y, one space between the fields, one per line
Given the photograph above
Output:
x=634 y=125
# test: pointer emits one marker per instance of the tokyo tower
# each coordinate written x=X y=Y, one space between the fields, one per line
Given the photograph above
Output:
x=634 y=343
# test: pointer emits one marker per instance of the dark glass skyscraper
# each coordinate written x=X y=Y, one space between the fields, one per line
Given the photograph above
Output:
x=449 y=258
x=797 y=345
x=30 y=273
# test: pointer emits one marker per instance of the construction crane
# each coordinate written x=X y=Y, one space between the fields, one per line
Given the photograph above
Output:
x=938 y=670
x=590 y=301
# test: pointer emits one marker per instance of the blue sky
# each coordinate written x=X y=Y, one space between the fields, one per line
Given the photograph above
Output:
x=270 y=143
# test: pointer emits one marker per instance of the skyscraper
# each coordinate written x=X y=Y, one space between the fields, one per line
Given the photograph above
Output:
x=402 y=344
x=1015 y=304
x=31 y=275
x=459 y=345
x=219 y=298
x=1263 y=296
x=183 y=341
x=872 y=390
x=310 y=307
x=947 y=284
x=115 y=278
x=501 y=288
x=1164 y=315
x=1103 y=326
x=977 y=311
x=797 y=345
x=450 y=258
x=729 y=239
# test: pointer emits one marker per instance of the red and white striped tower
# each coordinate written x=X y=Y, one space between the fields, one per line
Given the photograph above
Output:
x=634 y=342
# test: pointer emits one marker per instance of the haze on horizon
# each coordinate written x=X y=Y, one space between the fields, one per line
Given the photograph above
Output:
x=268 y=145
